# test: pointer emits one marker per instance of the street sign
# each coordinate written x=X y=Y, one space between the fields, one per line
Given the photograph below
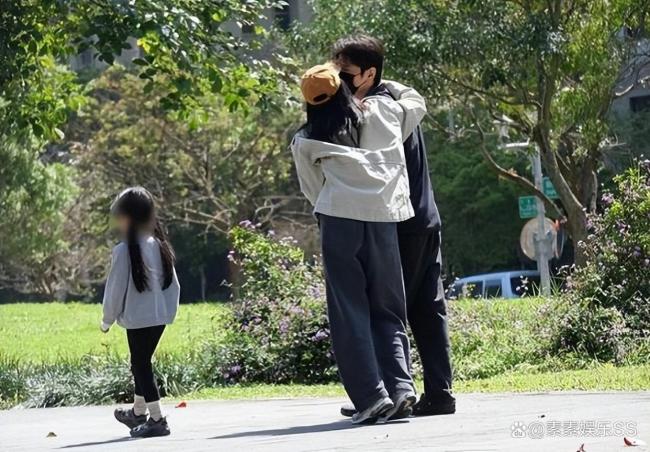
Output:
x=549 y=189
x=527 y=207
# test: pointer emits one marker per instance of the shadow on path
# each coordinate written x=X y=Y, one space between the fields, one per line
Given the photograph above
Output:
x=98 y=443
x=299 y=430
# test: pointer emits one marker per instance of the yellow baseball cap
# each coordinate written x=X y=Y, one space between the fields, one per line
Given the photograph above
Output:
x=320 y=83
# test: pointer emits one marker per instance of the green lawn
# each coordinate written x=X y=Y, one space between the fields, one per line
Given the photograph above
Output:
x=494 y=345
x=49 y=332
x=596 y=378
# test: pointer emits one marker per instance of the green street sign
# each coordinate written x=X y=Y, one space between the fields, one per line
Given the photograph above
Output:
x=549 y=189
x=527 y=207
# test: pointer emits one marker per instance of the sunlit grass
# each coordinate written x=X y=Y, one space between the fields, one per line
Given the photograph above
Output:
x=52 y=332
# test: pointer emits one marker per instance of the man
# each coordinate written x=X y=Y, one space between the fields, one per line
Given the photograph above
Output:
x=361 y=59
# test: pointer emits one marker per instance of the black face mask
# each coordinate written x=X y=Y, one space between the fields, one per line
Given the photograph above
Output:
x=349 y=80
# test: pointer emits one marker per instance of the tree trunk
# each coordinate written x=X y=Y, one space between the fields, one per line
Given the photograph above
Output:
x=575 y=211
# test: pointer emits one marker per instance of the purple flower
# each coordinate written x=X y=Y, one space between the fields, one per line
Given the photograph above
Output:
x=315 y=291
x=231 y=255
x=321 y=335
x=607 y=199
x=296 y=310
x=234 y=370
x=247 y=224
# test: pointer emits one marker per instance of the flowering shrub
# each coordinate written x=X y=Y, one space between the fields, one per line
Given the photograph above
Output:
x=607 y=306
x=280 y=331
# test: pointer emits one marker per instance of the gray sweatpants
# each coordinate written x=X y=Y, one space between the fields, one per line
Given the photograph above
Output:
x=366 y=307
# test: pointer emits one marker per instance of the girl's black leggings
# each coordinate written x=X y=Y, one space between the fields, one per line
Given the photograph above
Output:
x=142 y=344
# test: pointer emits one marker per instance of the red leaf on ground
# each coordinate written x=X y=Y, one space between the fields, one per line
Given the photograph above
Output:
x=633 y=442
x=182 y=404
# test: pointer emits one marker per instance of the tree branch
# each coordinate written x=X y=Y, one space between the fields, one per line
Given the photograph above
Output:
x=512 y=175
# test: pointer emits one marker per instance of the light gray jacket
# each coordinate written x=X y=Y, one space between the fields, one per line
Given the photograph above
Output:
x=368 y=183
x=122 y=301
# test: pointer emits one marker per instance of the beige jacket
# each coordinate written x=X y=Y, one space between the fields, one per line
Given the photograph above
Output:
x=369 y=183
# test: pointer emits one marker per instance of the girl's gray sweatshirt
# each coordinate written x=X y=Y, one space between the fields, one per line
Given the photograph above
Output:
x=122 y=301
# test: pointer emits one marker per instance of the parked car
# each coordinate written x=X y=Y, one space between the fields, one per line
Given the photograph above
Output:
x=510 y=284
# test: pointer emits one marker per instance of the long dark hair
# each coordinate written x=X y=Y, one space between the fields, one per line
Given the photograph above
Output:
x=335 y=121
x=137 y=204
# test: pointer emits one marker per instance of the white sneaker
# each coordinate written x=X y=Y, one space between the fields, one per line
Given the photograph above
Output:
x=373 y=412
x=401 y=407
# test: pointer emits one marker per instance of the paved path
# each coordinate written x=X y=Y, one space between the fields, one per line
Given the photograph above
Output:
x=483 y=423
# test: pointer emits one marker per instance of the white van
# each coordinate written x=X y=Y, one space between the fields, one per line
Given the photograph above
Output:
x=510 y=284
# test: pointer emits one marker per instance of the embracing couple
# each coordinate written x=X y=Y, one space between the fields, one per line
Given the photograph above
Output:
x=361 y=162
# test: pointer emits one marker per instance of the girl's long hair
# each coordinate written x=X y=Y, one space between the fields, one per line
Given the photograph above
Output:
x=335 y=121
x=137 y=204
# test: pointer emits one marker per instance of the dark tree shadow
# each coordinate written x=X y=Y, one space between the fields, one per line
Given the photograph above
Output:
x=301 y=429
x=99 y=443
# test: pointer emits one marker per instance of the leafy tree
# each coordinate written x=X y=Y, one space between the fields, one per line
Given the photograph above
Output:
x=189 y=42
x=34 y=203
x=479 y=212
x=231 y=168
x=549 y=70
x=188 y=49
x=206 y=176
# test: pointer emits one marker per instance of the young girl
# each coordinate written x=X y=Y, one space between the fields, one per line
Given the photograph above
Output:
x=141 y=295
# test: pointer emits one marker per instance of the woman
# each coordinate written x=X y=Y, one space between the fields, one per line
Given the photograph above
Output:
x=350 y=162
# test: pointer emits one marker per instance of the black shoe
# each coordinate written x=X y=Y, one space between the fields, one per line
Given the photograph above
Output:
x=151 y=428
x=402 y=407
x=374 y=412
x=348 y=410
x=129 y=418
x=429 y=406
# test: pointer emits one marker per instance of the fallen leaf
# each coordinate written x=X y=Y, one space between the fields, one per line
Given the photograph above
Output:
x=182 y=404
x=51 y=435
x=634 y=442
x=581 y=448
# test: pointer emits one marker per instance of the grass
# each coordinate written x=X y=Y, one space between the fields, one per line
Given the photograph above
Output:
x=596 y=378
x=496 y=347
x=51 y=332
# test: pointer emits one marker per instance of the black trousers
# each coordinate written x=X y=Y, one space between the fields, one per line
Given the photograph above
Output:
x=426 y=308
x=366 y=308
x=142 y=345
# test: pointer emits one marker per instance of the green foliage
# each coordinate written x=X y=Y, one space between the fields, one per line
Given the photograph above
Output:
x=280 y=331
x=188 y=50
x=208 y=173
x=551 y=69
x=606 y=313
x=492 y=337
x=479 y=214
x=34 y=199
x=504 y=343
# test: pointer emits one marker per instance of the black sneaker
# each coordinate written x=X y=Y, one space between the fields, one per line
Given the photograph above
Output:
x=402 y=407
x=429 y=406
x=151 y=428
x=129 y=418
x=348 y=410
x=374 y=412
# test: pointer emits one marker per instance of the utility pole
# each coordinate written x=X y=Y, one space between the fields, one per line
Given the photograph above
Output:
x=541 y=238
